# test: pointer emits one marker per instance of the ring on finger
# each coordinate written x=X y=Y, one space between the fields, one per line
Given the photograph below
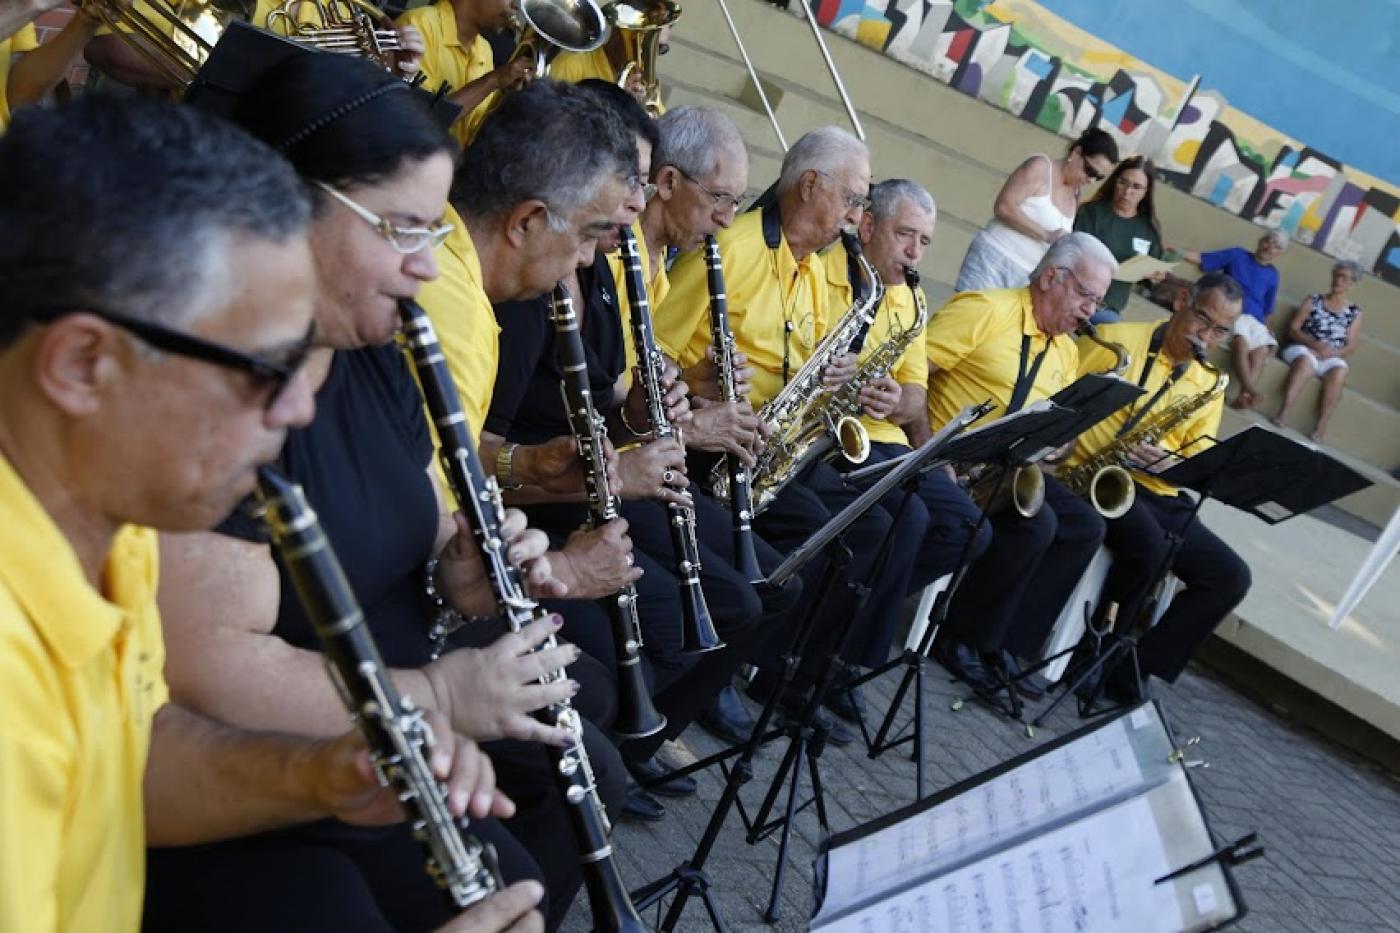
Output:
x=668 y=477
x=630 y=560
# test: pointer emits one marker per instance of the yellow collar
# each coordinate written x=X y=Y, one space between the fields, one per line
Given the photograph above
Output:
x=41 y=569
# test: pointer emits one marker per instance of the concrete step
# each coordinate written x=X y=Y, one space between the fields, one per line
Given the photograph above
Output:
x=964 y=127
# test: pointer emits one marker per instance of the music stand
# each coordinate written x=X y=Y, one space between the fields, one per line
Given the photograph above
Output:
x=806 y=741
x=1005 y=442
x=1257 y=471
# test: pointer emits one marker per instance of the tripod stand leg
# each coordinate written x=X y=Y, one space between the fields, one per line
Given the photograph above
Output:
x=772 y=914
x=814 y=770
x=919 y=728
x=1080 y=678
x=877 y=745
x=791 y=760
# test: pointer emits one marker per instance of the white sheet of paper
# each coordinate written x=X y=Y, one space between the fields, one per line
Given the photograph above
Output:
x=1021 y=800
x=1140 y=267
x=1092 y=876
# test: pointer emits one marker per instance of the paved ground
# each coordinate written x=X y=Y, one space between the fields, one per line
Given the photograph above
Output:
x=1330 y=821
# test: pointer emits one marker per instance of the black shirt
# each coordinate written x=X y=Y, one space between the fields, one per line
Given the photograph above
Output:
x=363 y=463
x=526 y=406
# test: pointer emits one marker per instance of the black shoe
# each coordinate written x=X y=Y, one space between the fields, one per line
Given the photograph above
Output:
x=963 y=662
x=844 y=701
x=1032 y=687
x=726 y=718
x=640 y=805
x=1119 y=685
x=792 y=707
x=652 y=768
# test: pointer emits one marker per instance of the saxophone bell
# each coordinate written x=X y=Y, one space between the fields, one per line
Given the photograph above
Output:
x=1111 y=492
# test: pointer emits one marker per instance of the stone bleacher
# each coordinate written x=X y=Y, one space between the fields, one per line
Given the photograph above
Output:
x=961 y=149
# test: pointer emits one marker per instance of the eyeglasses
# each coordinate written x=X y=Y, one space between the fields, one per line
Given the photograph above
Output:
x=268 y=375
x=852 y=198
x=404 y=240
x=1079 y=288
x=723 y=201
x=1123 y=182
x=1218 y=331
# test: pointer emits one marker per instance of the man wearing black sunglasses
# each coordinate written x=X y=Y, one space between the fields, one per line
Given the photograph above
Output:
x=145 y=372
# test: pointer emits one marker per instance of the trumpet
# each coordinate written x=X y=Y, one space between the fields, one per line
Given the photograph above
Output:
x=548 y=27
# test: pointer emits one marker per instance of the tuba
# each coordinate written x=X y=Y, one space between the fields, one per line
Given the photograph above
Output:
x=639 y=24
x=177 y=36
x=548 y=27
x=801 y=418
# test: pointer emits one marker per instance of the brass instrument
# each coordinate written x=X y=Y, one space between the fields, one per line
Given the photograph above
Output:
x=548 y=27
x=995 y=490
x=639 y=24
x=1109 y=488
x=800 y=416
x=1082 y=479
x=177 y=36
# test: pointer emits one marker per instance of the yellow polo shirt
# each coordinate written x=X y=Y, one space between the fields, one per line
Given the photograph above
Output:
x=81 y=675
x=975 y=341
x=657 y=289
x=1137 y=340
x=446 y=59
x=466 y=327
x=895 y=313
x=767 y=289
x=25 y=40
x=573 y=67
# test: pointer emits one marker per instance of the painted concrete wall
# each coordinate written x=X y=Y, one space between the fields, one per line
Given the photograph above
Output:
x=1026 y=59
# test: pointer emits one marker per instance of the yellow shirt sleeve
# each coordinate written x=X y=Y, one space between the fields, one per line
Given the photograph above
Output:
x=681 y=320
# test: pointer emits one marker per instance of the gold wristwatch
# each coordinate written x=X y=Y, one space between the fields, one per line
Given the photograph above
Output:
x=505 y=467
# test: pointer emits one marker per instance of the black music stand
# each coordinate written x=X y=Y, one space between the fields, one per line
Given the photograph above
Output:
x=1259 y=471
x=806 y=739
x=1079 y=406
x=1004 y=442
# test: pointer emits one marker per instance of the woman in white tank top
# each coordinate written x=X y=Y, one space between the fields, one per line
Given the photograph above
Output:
x=1034 y=208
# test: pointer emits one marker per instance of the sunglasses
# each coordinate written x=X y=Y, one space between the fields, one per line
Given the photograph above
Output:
x=1093 y=173
x=268 y=375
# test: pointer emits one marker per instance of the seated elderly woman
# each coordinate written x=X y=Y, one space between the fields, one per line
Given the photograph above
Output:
x=1321 y=335
x=1122 y=216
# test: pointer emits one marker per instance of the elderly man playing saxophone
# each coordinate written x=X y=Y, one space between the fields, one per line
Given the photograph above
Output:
x=1014 y=346
x=1180 y=408
x=777 y=296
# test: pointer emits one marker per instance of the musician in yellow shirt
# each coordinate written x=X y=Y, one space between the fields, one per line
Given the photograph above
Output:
x=776 y=284
x=456 y=53
x=29 y=70
x=1214 y=576
x=150 y=358
x=1013 y=346
x=894 y=233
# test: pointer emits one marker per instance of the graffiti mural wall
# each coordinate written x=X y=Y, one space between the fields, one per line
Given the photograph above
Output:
x=1017 y=55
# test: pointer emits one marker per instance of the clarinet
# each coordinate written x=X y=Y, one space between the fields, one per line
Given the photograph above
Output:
x=636 y=716
x=398 y=737
x=480 y=497
x=698 y=629
x=740 y=492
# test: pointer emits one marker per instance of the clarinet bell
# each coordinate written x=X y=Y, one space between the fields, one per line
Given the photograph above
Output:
x=637 y=716
x=698 y=633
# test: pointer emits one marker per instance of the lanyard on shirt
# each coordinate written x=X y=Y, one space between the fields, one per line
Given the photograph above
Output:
x=1179 y=370
x=1024 y=379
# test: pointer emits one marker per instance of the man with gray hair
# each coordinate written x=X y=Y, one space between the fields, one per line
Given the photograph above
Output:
x=1214 y=576
x=1253 y=342
x=151 y=345
x=776 y=286
x=1014 y=346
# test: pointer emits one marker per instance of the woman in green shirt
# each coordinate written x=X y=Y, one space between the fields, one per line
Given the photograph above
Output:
x=1121 y=214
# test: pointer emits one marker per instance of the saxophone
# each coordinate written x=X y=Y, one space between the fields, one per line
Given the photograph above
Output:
x=1084 y=478
x=800 y=416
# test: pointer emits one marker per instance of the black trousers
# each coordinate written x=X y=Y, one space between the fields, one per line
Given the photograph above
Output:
x=1012 y=595
x=803 y=506
x=952 y=519
x=1214 y=576
x=329 y=876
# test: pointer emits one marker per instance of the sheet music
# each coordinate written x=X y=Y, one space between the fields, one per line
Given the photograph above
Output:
x=1024 y=800
x=1092 y=876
